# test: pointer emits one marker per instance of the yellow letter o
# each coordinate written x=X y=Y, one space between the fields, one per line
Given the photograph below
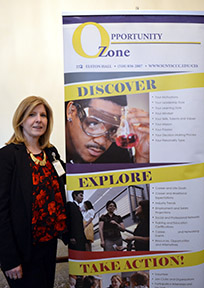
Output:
x=76 y=40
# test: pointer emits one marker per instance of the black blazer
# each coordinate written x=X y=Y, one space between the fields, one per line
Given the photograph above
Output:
x=76 y=227
x=16 y=204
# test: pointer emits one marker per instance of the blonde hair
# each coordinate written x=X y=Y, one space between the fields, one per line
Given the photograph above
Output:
x=21 y=114
x=117 y=277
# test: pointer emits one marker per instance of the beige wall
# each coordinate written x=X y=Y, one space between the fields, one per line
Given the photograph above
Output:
x=31 y=47
x=132 y=5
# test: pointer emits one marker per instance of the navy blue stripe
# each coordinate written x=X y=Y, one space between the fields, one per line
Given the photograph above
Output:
x=91 y=167
x=72 y=19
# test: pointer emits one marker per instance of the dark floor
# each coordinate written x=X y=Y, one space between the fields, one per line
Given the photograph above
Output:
x=61 y=276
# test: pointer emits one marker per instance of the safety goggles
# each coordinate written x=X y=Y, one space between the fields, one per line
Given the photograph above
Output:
x=96 y=122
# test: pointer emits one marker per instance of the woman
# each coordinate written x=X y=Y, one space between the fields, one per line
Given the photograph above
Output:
x=116 y=282
x=88 y=215
x=141 y=232
x=32 y=198
x=110 y=226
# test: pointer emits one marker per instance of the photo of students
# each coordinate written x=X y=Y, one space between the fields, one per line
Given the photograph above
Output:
x=110 y=227
x=88 y=216
x=119 y=224
x=92 y=126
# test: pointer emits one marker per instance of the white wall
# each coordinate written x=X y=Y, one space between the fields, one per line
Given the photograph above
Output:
x=31 y=51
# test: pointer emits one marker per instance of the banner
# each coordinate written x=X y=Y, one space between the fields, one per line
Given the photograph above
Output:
x=134 y=114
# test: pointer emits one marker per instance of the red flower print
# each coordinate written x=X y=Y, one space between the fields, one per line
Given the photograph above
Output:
x=40 y=198
x=55 y=184
x=47 y=237
x=46 y=171
x=51 y=207
x=40 y=231
x=41 y=179
x=50 y=221
x=43 y=215
x=49 y=217
x=60 y=226
x=35 y=217
x=36 y=179
x=61 y=217
x=58 y=197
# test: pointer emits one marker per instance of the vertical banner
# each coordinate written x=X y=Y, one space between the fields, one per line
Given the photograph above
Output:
x=134 y=112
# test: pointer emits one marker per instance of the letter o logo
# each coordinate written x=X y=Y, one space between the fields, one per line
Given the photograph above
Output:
x=76 y=40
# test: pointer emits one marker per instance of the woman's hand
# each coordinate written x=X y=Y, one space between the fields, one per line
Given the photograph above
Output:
x=15 y=273
x=120 y=226
x=114 y=222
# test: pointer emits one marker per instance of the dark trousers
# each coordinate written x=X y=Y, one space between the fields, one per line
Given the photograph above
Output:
x=40 y=271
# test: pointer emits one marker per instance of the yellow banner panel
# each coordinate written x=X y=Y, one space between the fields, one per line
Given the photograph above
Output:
x=87 y=90
x=146 y=262
x=135 y=177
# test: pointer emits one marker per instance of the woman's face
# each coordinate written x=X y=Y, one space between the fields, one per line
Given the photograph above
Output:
x=36 y=123
x=115 y=282
x=111 y=208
